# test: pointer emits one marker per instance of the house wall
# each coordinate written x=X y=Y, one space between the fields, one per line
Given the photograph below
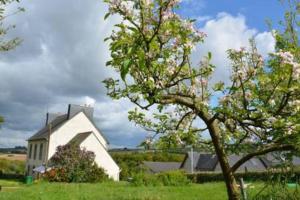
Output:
x=103 y=159
x=95 y=142
x=40 y=157
x=78 y=124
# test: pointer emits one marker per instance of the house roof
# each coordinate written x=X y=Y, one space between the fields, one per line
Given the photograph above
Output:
x=275 y=158
x=61 y=119
x=79 y=138
x=201 y=161
x=156 y=167
x=55 y=124
x=206 y=162
x=254 y=164
x=209 y=162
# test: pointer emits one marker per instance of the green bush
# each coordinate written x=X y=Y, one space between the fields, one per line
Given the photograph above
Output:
x=170 y=178
x=131 y=163
x=173 y=178
x=73 y=164
x=204 y=177
x=143 y=179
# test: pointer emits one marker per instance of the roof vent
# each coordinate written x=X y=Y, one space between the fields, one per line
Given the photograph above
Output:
x=51 y=116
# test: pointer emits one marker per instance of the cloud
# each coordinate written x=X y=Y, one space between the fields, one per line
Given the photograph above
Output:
x=62 y=60
x=229 y=32
x=89 y=101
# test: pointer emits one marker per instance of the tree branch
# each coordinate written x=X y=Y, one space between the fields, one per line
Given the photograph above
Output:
x=264 y=151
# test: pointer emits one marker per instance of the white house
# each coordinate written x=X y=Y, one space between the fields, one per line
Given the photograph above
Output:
x=75 y=126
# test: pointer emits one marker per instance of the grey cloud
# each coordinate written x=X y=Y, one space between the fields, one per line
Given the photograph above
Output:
x=61 y=60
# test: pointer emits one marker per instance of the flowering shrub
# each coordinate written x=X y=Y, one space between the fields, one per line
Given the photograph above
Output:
x=72 y=164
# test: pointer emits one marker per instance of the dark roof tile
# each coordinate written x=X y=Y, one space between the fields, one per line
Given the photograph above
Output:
x=156 y=167
x=55 y=124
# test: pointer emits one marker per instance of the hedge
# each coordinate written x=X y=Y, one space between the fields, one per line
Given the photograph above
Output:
x=169 y=178
x=131 y=163
x=203 y=177
x=11 y=176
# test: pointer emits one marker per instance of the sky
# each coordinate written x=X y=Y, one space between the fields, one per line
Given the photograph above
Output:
x=62 y=59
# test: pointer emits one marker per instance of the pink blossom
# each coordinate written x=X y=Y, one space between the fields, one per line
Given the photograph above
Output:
x=204 y=82
x=167 y=15
x=201 y=34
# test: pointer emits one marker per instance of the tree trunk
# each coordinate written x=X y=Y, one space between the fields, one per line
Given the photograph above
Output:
x=231 y=186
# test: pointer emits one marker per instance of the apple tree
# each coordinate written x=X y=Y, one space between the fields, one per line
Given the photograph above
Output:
x=151 y=51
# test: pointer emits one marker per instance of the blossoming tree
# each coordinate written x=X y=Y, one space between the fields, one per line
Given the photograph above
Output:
x=151 y=50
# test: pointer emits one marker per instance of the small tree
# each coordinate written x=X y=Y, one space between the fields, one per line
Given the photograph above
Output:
x=73 y=164
x=258 y=112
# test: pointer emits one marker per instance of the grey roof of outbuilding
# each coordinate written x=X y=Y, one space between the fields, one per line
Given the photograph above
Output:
x=274 y=159
x=156 y=167
x=79 y=138
x=55 y=124
x=201 y=162
x=206 y=162
x=209 y=162
x=254 y=164
x=296 y=161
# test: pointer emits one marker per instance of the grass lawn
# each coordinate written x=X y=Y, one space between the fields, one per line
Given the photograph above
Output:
x=111 y=191
x=14 y=190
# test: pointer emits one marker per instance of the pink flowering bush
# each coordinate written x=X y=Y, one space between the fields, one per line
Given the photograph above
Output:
x=73 y=164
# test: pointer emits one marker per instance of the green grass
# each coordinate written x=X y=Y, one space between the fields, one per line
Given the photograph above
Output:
x=14 y=190
x=10 y=183
x=113 y=191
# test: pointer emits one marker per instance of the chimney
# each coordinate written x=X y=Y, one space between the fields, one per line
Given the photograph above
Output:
x=50 y=117
x=74 y=109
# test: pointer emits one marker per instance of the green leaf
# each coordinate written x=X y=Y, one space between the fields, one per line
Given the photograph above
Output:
x=106 y=16
x=129 y=51
x=108 y=63
x=209 y=55
x=218 y=86
x=125 y=69
x=105 y=39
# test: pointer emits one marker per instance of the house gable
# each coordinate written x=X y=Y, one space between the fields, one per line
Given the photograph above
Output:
x=91 y=142
x=79 y=123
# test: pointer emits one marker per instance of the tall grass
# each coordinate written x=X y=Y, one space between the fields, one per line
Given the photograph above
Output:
x=12 y=166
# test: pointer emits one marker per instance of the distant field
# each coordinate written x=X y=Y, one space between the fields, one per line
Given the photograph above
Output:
x=12 y=163
x=21 y=157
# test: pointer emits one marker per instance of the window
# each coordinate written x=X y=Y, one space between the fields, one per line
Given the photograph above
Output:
x=41 y=151
x=30 y=151
x=35 y=151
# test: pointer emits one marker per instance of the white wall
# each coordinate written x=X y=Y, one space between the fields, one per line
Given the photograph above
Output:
x=78 y=124
x=103 y=159
x=95 y=142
